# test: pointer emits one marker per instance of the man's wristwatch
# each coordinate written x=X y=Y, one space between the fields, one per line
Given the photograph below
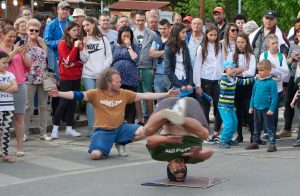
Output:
x=129 y=47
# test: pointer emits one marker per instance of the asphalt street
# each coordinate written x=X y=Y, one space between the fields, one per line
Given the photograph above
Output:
x=63 y=167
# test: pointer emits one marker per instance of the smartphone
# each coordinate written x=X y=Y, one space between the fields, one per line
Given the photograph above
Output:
x=21 y=42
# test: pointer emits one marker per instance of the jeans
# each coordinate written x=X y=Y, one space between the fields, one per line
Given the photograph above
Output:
x=130 y=108
x=261 y=121
x=230 y=123
x=159 y=83
x=89 y=83
x=298 y=111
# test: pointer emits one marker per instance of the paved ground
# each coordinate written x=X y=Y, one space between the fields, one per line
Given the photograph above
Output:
x=63 y=167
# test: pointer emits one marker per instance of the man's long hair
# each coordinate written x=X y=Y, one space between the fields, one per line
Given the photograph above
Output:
x=105 y=77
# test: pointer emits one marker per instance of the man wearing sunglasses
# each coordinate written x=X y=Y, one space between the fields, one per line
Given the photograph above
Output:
x=183 y=128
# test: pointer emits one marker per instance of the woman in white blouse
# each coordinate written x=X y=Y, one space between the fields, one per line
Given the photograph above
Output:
x=244 y=58
x=207 y=71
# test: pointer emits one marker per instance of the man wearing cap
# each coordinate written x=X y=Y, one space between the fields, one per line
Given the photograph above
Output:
x=208 y=21
x=104 y=23
x=53 y=33
x=78 y=15
x=220 y=22
x=188 y=24
x=184 y=127
x=195 y=39
x=258 y=37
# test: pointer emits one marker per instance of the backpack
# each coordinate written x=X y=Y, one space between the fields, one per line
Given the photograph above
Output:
x=280 y=57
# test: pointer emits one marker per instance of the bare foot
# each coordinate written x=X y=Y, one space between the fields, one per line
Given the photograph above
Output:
x=8 y=159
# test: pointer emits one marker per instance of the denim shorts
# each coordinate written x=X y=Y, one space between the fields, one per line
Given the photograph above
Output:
x=103 y=139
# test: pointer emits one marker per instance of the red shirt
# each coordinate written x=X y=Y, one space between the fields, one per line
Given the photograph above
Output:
x=67 y=57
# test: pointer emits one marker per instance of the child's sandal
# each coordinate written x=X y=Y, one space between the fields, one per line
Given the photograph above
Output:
x=20 y=154
x=8 y=159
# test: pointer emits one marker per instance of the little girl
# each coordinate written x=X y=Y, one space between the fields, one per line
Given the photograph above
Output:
x=8 y=85
x=208 y=71
x=226 y=106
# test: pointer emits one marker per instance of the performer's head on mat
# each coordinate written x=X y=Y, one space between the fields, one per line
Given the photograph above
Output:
x=177 y=170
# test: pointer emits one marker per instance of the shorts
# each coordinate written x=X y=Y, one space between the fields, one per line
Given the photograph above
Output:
x=147 y=79
x=20 y=99
x=103 y=139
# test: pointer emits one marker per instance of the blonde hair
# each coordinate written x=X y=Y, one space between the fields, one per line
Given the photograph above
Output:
x=19 y=21
x=265 y=64
x=33 y=22
x=271 y=37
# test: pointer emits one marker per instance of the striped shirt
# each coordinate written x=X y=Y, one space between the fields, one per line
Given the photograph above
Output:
x=227 y=89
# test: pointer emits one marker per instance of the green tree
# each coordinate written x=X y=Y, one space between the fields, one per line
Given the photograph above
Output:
x=286 y=10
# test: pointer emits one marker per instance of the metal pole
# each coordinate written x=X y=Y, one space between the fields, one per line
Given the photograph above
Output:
x=31 y=5
x=239 y=6
x=101 y=7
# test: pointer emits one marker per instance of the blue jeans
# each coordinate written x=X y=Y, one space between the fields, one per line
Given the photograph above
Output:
x=261 y=121
x=159 y=83
x=230 y=123
x=298 y=111
x=89 y=83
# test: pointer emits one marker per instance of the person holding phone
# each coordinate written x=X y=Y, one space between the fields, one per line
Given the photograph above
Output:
x=20 y=26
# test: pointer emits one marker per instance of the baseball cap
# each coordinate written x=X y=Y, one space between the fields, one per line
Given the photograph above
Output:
x=172 y=174
x=218 y=9
x=228 y=63
x=270 y=14
x=188 y=18
x=63 y=4
x=78 y=12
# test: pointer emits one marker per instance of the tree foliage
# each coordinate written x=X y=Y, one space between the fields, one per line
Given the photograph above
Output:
x=253 y=9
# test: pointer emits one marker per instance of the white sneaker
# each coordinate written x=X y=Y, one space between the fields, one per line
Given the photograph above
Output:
x=54 y=135
x=73 y=133
x=45 y=137
x=25 y=138
x=176 y=115
x=121 y=149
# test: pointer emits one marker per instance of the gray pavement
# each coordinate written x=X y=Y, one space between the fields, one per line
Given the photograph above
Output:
x=63 y=167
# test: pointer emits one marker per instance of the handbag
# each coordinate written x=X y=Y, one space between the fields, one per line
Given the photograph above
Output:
x=49 y=81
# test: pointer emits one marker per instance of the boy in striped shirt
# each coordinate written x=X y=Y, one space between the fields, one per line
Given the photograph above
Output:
x=226 y=107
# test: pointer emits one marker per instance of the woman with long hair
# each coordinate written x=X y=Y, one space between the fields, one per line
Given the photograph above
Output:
x=34 y=78
x=178 y=68
x=208 y=70
x=70 y=70
x=19 y=65
x=229 y=41
x=244 y=58
x=96 y=56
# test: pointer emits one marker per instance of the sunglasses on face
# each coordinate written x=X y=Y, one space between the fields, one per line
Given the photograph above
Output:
x=234 y=30
x=34 y=30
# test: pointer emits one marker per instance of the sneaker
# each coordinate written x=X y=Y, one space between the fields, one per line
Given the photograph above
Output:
x=54 y=135
x=36 y=112
x=252 y=146
x=265 y=137
x=224 y=145
x=272 y=148
x=215 y=139
x=25 y=138
x=233 y=143
x=239 y=139
x=121 y=149
x=176 y=115
x=45 y=137
x=297 y=144
x=284 y=133
x=73 y=133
